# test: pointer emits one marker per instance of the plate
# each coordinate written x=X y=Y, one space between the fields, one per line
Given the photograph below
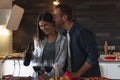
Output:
x=110 y=57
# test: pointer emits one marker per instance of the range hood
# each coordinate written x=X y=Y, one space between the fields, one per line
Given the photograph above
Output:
x=4 y=16
x=10 y=17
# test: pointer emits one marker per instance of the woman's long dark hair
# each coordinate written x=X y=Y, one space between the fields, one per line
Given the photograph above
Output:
x=45 y=16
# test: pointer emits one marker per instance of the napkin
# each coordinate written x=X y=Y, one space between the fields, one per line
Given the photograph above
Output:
x=68 y=76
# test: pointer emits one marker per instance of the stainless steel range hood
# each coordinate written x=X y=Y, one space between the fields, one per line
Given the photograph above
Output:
x=10 y=17
x=4 y=16
x=5 y=34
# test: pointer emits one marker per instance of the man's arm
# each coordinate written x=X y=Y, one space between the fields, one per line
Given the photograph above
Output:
x=82 y=70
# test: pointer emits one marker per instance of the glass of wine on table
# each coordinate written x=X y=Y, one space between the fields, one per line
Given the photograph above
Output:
x=48 y=65
x=37 y=66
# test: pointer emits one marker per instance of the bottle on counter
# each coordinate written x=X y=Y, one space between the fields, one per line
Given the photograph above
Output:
x=28 y=55
x=105 y=48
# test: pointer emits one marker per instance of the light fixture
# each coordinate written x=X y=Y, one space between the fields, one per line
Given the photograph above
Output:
x=4 y=17
x=10 y=17
x=3 y=30
x=56 y=2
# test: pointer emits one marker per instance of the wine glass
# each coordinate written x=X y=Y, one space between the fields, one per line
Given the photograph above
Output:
x=48 y=65
x=37 y=66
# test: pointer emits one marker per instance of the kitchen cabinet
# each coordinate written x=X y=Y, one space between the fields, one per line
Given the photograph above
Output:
x=103 y=69
x=110 y=69
x=16 y=68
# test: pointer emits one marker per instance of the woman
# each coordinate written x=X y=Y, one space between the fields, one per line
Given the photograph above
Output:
x=49 y=45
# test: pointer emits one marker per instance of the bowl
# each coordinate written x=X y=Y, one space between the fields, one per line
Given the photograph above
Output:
x=108 y=57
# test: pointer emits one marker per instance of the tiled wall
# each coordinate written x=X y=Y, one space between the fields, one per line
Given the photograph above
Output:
x=102 y=17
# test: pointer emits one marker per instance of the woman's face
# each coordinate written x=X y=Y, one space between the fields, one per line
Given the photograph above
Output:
x=46 y=27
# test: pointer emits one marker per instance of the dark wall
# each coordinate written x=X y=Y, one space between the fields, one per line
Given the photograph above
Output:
x=102 y=17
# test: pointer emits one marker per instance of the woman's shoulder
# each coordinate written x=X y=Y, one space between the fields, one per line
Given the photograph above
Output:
x=61 y=39
x=61 y=36
x=34 y=36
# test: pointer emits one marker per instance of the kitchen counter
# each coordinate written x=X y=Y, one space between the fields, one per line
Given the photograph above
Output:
x=108 y=58
x=12 y=56
x=101 y=60
x=14 y=66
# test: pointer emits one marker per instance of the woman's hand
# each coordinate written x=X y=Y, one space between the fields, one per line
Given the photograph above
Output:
x=42 y=77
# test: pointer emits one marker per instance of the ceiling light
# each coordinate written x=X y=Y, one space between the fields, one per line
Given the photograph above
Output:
x=56 y=2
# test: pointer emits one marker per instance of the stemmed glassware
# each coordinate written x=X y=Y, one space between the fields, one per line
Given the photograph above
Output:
x=37 y=66
x=48 y=65
x=41 y=67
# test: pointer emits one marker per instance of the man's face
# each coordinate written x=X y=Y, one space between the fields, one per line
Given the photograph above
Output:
x=58 y=17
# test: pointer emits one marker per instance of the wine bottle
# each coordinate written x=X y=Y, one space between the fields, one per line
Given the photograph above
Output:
x=28 y=55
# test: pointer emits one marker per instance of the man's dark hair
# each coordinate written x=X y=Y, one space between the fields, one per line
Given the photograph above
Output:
x=66 y=10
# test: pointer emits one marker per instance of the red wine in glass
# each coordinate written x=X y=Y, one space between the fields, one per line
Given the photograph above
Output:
x=48 y=68
x=38 y=70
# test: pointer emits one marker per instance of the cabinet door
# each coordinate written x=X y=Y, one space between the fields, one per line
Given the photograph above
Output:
x=16 y=68
x=113 y=70
x=0 y=69
x=103 y=69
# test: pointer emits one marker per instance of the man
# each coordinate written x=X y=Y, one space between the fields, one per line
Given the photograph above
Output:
x=83 y=49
